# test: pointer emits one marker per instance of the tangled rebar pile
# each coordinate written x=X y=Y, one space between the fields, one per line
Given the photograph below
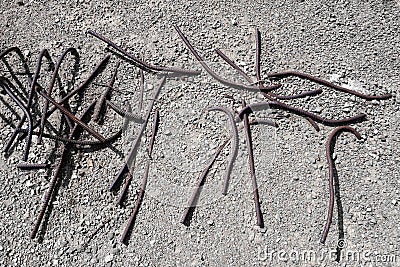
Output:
x=35 y=121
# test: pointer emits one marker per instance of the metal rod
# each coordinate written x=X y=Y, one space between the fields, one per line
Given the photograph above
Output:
x=279 y=105
x=326 y=83
x=216 y=76
x=140 y=62
x=72 y=51
x=234 y=146
x=246 y=124
x=329 y=150
x=136 y=143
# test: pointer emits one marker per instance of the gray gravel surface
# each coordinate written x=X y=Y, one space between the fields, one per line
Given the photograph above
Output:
x=353 y=43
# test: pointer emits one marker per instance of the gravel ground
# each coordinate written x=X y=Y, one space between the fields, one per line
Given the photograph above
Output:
x=353 y=43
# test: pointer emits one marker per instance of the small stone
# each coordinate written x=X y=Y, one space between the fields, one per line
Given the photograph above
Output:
x=216 y=25
x=334 y=78
x=394 y=201
x=210 y=222
x=263 y=230
x=110 y=236
x=234 y=22
x=29 y=184
x=152 y=242
x=251 y=236
x=369 y=209
x=108 y=258
x=309 y=210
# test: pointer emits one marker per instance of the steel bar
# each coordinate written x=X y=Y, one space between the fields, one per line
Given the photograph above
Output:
x=233 y=65
x=136 y=143
x=156 y=120
x=75 y=53
x=72 y=117
x=140 y=62
x=200 y=182
x=141 y=85
x=329 y=150
x=139 y=200
x=279 y=105
x=328 y=84
x=32 y=166
x=4 y=84
x=100 y=104
x=246 y=124
x=33 y=85
x=124 y=113
x=234 y=146
x=56 y=176
x=258 y=57
x=216 y=76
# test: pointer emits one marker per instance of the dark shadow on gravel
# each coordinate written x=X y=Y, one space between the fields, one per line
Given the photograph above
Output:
x=24 y=93
x=190 y=213
x=339 y=212
x=42 y=231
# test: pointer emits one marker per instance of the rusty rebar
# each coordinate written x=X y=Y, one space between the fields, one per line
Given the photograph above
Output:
x=135 y=117
x=75 y=53
x=56 y=176
x=234 y=146
x=73 y=117
x=329 y=150
x=136 y=143
x=32 y=166
x=258 y=57
x=100 y=104
x=139 y=200
x=141 y=85
x=24 y=63
x=279 y=105
x=156 y=120
x=328 y=84
x=4 y=84
x=140 y=63
x=260 y=221
x=33 y=85
x=216 y=76
x=200 y=182
x=233 y=65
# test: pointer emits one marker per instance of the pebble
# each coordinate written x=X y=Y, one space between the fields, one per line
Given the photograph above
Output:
x=108 y=258
x=110 y=236
x=210 y=222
